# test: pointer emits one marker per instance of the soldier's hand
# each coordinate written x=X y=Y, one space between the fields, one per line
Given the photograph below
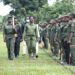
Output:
x=15 y=35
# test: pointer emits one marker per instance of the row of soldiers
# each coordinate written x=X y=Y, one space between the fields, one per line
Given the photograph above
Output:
x=61 y=35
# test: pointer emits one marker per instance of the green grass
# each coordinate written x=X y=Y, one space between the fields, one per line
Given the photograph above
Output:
x=44 y=65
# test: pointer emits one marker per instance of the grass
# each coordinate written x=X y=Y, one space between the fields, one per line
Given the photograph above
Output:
x=44 y=65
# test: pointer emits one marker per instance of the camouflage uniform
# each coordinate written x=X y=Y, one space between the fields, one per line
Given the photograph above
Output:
x=72 y=47
x=65 y=31
x=9 y=38
x=30 y=36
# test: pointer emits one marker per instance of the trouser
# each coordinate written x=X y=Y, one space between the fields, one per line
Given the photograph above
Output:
x=10 y=47
x=72 y=47
x=45 y=40
x=56 y=49
x=17 y=47
x=31 y=44
x=73 y=55
x=66 y=50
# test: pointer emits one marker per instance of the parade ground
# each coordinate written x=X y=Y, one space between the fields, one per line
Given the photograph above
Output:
x=45 y=64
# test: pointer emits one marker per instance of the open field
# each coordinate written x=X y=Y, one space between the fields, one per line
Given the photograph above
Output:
x=44 y=65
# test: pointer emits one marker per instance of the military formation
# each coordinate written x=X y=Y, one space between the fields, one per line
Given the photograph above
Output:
x=58 y=34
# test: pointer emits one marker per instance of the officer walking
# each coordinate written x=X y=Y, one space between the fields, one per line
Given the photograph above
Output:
x=9 y=38
x=31 y=36
x=18 y=37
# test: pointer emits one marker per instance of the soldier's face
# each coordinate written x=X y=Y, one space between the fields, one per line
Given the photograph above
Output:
x=10 y=20
x=31 y=20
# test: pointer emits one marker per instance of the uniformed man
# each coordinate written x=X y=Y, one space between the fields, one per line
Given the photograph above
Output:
x=31 y=36
x=45 y=36
x=56 y=42
x=53 y=34
x=9 y=38
x=72 y=39
x=24 y=46
x=65 y=31
x=18 y=37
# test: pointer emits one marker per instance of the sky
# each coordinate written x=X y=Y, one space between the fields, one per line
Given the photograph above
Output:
x=5 y=9
x=51 y=2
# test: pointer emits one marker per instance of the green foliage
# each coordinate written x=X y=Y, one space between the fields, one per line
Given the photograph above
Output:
x=40 y=9
x=62 y=7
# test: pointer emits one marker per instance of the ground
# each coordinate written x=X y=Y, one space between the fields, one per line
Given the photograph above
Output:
x=44 y=65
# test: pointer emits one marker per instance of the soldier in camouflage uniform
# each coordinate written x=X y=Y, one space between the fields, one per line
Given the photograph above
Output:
x=9 y=38
x=65 y=31
x=45 y=36
x=31 y=36
x=52 y=36
x=56 y=42
x=72 y=40
x=18 y=37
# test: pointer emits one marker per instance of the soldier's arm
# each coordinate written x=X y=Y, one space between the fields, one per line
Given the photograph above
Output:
x=56 y=34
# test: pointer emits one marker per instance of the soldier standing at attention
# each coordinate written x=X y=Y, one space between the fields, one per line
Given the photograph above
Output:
x=45 y=36
x=31 y=36
x=72 y=40
x=65 y=31
x=9 y=38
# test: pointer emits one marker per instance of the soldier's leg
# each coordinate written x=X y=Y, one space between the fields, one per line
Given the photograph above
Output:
x=67 y=53
x=17 y=47
x=63 y=51
x=34 y=47
x=28 y=47
x=46 y=42
x=56 y=48
x=73 y=55
x=12 y=44
x=43 y=39
x=52 y=47
x=8 y=47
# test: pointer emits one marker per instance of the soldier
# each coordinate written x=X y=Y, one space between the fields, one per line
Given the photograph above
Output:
x=53 y=34
x=56 y=42
x=49 y=33
x=72 y=39
x=45 y=36
x=9 y=38
x=65 y=31
x=31 y=36
x=24 y=42
x=18 y=37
